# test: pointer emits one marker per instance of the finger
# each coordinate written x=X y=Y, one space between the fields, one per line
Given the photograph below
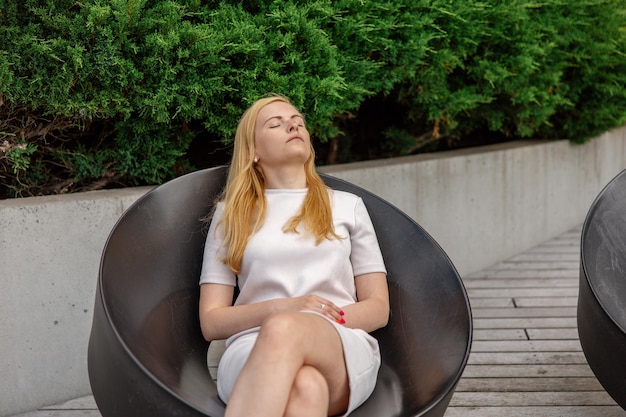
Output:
x=332 y=311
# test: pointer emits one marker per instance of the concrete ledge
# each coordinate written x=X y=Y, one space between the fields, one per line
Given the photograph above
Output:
x=482 y=205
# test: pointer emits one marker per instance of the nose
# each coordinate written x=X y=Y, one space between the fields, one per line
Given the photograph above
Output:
x=293 y=125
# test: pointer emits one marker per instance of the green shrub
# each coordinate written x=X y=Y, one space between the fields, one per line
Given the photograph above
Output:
x=520 y=69
x=102 y=93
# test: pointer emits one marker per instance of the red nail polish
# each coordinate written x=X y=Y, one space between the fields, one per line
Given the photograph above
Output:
x=342 y=321
x=341 y=312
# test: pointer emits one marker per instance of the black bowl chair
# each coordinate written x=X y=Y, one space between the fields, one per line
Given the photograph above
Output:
x=602 y=294
x=147 y=357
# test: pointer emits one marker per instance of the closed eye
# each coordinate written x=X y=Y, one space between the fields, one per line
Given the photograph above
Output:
x=278 y=121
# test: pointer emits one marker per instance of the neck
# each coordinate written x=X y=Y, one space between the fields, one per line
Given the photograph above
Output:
x=285 y=177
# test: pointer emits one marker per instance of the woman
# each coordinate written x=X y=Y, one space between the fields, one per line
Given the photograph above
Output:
x=310 y=273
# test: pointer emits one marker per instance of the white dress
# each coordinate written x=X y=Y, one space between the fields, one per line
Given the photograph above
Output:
x=276 y=264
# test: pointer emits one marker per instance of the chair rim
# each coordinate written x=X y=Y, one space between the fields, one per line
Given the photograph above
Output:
x=590 y=220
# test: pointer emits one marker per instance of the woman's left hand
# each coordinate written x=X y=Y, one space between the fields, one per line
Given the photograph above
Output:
x=333 y=312
x=320 y=304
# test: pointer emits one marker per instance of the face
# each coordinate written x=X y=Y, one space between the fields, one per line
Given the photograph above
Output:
x=280 y=135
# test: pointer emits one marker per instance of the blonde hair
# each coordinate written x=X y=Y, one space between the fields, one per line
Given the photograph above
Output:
x=244 y=198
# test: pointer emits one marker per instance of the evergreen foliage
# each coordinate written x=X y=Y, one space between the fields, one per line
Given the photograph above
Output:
x=98 y=93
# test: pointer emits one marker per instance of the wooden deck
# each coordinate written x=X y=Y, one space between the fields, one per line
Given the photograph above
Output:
x=526 y=359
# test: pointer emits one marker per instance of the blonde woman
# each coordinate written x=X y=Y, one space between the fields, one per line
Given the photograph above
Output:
x=310 y=273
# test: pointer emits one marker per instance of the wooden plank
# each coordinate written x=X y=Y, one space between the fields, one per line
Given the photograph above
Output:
x=504 y=399
x=565 y=240
x=524 y=312
x=546 y=301
x=62 y=413
x=499 y=334
x=79 y=407
x=556 y=249
x=82 y=403
x=527 y=358
x=573 y=237
x=521 y=273
x=523 y=323
x=526 y=346
x=546 y=256
x=521 y=292
x=535 y=266
x=492 y=302
x=537 y=411
x=573 y=245
x=552 y=334
x=528 y=384
x=527 y=371
x=521 y=283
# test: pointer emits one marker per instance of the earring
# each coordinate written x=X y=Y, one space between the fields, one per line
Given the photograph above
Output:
x=256 y=159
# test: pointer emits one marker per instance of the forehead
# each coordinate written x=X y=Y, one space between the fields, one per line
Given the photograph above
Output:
x=277 y=109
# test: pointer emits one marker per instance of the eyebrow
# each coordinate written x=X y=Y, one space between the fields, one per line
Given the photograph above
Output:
x=281 y=117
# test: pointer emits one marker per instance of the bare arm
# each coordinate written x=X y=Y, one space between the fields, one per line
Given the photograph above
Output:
x=216 y=318
x=220 y=320
x=371 y=312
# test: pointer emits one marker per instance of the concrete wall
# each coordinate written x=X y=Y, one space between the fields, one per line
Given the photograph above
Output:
x=485 y=204
x=482 y=205
x=49 y=257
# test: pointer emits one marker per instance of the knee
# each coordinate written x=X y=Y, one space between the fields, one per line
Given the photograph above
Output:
x=309 y=390
x=280 y=331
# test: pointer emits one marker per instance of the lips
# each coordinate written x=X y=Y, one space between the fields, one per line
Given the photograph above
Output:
x=295 y=138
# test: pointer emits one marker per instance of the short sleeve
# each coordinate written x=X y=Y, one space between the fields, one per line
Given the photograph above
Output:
x=365 y=256
x=214 y=271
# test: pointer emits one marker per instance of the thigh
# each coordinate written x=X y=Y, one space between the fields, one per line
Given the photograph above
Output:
x=360 y=362
x=319 y=345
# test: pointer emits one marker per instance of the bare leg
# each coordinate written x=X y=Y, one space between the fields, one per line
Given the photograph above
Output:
x=309 y=394
x=288 y=342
